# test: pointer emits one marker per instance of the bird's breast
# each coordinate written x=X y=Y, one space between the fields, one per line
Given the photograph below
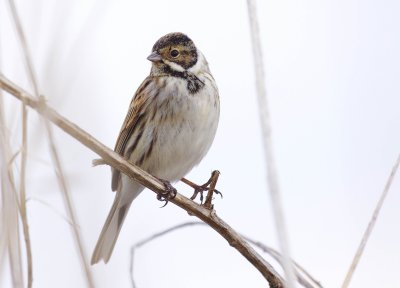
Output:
x=183 y=128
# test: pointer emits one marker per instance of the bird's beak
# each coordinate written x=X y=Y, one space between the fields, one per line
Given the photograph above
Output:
x=154 y=57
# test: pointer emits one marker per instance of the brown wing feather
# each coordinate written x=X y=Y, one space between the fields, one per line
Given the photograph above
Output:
x=129 y=126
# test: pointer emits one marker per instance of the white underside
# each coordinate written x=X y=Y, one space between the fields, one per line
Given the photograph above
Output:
x=184 y=138
x=185 y=125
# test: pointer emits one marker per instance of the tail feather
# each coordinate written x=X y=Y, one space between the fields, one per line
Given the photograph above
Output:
x=109 y=233
x=128 y=190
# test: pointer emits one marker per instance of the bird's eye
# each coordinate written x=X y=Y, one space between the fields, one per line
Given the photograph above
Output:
x=174 y=53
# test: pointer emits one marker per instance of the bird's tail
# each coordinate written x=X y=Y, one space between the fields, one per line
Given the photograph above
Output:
x=115 y=219
x=109 y=233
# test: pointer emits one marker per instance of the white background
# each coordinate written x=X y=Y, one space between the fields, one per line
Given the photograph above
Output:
x=333 y=85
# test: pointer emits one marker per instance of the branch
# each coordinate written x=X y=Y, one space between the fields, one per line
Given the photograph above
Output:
x=370 y=226
x=278 y=257
x=268 y=250
x=147 y=180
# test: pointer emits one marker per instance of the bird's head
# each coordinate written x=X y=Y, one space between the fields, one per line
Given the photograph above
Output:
x=175 y=53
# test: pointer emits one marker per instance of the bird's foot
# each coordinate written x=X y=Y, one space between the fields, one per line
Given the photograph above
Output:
x=200 y=189
x=168 y=194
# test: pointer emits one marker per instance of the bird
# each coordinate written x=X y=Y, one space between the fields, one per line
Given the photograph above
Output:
x=170 y=126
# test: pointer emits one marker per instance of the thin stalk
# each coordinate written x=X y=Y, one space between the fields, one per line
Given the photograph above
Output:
x=22 y=195
x=10 y=205
x=371 y=225
x=53 y=149
x=154 y=184
x=272 y=171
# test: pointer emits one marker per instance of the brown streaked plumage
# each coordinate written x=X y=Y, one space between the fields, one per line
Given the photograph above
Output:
x=134 y=118
x=169 y=127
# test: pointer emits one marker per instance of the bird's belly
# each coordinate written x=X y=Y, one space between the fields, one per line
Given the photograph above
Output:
x=181 y=135
x=181 y=146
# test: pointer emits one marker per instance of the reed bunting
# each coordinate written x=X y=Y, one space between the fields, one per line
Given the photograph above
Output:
x=170 y=126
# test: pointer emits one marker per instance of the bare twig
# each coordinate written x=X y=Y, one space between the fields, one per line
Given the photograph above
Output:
x=56 y=161
x=278 y=257
x=3 y=235
x=24 y=44
x=10 y=205
x=131 y=267
x=11 y=209
x=167 y=231
x=153 y=237
x=272 y=252
x=22 y=195
x=213 y=183
x=24 y=218
x=98 y=162
x=68 y=204
x=52 y=208
x=371 y=225
x=272 y=174
x=147 y=180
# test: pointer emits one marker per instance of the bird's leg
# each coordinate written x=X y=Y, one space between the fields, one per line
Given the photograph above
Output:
x=199 y=189
x=168 y=194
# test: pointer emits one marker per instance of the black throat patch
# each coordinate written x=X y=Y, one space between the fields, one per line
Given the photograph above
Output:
x=193 y=83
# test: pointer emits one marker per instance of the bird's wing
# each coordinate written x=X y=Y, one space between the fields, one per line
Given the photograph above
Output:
x=134 y=116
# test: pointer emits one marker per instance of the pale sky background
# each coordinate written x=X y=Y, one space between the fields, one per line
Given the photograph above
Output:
x=332 y=72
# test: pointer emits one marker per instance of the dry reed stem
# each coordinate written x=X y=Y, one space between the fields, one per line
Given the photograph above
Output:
x=278 y=257
x=371 y=225
x=3 y=179
x=272 y=252
x=115 y=160
x=10 y=205
x=22 y=195
x=71 y=214
x=272 y=172
x=55 y=158
x=52 y=208
x=3 y=246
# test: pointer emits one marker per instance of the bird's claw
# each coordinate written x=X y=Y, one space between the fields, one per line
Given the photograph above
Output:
x=200 y=189
x=168 y=194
